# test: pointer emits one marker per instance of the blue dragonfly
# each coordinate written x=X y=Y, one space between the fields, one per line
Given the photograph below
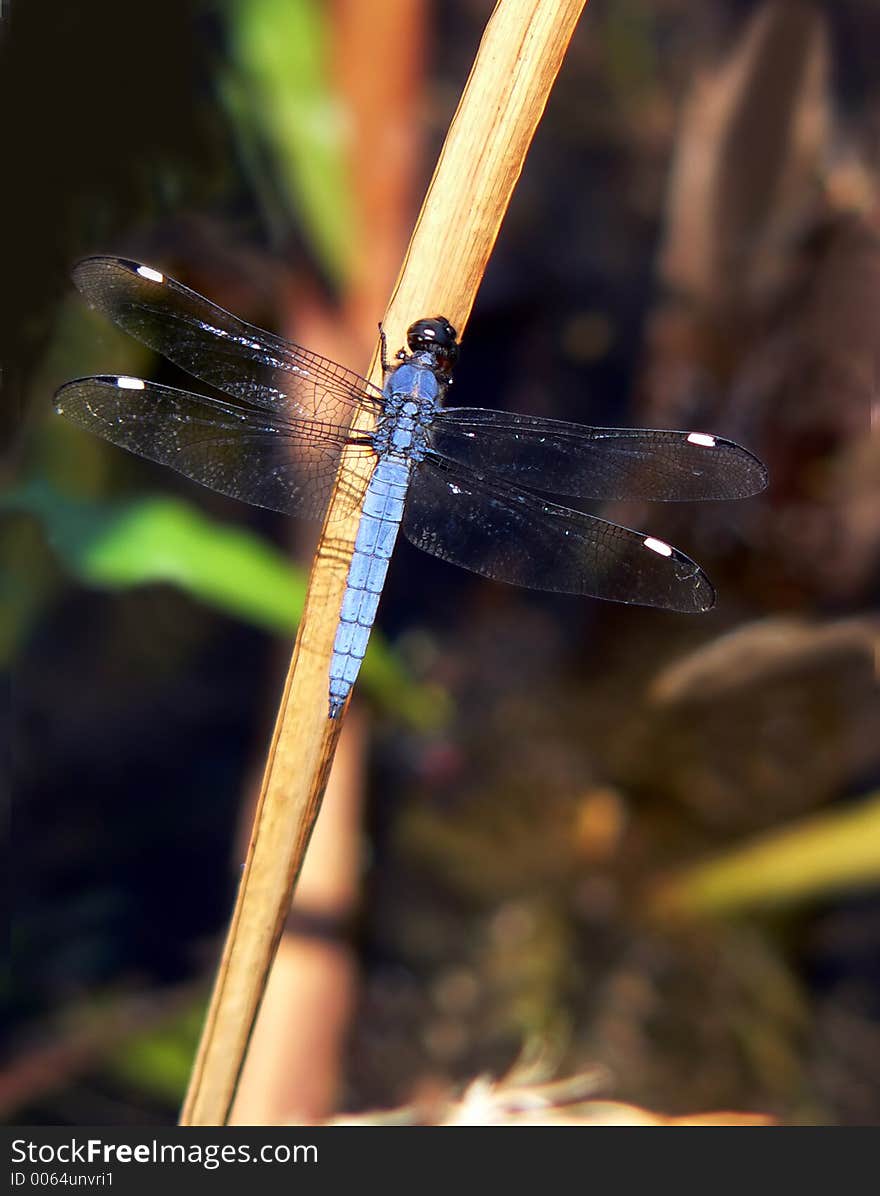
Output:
x=466 y=484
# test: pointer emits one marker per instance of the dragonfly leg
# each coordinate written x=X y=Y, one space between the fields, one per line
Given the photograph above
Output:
x=383 y=355
x=400 y=355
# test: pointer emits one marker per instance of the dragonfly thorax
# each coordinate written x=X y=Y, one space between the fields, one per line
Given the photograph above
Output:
x=413 y=393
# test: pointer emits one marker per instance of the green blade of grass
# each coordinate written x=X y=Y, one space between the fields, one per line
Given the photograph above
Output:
x=822 y=855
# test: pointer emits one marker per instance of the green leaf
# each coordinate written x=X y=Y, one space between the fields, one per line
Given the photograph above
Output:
x=158 y=1062
x=282 y=106
x=152 y=540
x=117 y=545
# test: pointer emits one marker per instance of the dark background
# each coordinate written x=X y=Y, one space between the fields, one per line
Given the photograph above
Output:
x=516 y=845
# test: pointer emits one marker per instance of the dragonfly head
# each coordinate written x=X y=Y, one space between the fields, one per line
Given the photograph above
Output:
x=437 y=337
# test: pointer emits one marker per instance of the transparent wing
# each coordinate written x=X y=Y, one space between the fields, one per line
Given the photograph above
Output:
x=214 y=345
x=260 y=457
x=486 y=526
x=602 y=463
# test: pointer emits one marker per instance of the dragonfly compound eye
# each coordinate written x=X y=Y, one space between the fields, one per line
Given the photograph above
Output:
x=435 y=336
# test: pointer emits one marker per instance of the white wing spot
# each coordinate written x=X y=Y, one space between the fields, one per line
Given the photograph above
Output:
x=150 y=273
x=702 y=438
x=130 y=383
x=657 y=546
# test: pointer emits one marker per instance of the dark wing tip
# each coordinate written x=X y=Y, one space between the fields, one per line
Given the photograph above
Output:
x=101 y=268
x=694 y=593
x=78 y=387
x=96 y=260
x=65 y=392
x=705 y=595
x=88 y=266
x=752 y=475
x=58 y=398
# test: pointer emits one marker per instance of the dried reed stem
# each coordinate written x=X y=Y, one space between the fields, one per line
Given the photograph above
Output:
x=515 y=68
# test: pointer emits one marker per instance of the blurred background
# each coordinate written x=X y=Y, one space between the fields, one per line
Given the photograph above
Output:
x=561 y=837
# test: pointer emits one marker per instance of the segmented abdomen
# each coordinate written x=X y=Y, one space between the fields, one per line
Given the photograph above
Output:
x=377 y=532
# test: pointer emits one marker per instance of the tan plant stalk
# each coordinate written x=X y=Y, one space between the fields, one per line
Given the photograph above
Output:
x=516 y=65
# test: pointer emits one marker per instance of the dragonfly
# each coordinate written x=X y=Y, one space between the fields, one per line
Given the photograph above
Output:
x=466 y=484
